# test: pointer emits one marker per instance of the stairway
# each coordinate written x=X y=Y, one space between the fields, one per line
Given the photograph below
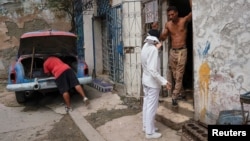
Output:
x=175 y=117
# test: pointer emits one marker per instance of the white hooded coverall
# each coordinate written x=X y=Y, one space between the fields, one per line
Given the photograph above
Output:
x=151 y=81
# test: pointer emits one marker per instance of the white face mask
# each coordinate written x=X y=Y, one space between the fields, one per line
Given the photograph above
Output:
x=151 y=40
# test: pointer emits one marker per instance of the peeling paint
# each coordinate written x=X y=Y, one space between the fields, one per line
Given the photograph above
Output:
x=221 y=40
x=18 y=17
x=204 y=78
x=203 y=52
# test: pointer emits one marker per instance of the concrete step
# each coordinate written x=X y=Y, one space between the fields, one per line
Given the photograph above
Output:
x=171 y=119
x=174 y=117
x=184 y=107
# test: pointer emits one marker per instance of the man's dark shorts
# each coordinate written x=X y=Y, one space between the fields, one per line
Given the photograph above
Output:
x=66 y=81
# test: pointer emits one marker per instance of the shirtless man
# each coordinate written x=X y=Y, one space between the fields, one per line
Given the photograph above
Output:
x=176 y=28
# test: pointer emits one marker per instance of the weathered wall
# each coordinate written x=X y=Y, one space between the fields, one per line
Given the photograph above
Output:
x=88 y=39
x=221 y=55
x=92 y=46
x=17 y=17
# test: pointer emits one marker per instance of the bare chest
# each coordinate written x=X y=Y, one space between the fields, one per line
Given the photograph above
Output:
x=177 y=28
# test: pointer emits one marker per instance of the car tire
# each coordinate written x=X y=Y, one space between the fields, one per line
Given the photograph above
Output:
x=20 y=97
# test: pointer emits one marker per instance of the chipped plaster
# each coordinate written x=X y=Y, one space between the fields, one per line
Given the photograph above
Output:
x=18 y=17
x=223 y=24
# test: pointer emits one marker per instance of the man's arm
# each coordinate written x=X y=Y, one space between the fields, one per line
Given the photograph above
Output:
x=164 y=34
x=189 y=16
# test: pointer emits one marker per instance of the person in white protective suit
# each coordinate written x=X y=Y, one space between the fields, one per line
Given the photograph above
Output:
x=151 y=82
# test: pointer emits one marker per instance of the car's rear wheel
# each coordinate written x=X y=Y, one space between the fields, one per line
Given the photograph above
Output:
x=20 y=97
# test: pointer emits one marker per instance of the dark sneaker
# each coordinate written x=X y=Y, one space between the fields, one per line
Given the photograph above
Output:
x=181 y=97
x=174 y=103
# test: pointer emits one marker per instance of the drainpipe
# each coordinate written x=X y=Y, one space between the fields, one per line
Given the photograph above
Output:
x=93 y=39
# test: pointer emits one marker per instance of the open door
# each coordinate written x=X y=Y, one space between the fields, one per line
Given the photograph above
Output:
x=184 y=8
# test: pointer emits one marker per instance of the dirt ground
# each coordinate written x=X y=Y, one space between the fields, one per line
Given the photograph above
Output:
x=70 y=132
x=103 y=116
x=66 y=129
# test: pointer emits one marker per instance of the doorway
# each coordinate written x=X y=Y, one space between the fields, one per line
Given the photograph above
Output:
x=184 y=8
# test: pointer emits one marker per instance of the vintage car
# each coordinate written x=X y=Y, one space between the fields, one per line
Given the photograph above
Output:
x=25 y=74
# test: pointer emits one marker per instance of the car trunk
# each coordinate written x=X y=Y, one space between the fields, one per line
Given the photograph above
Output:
x=35 y=46
x=37 y=70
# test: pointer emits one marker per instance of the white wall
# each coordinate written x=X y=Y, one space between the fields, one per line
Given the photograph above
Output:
x=221 y=55
x=98 y=46
x=90 y=52
x=116 y=2
x=88 y=40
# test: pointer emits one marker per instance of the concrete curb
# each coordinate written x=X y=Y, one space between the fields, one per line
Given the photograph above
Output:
x=89 y=132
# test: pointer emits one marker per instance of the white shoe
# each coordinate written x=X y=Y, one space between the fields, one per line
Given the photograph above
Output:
x=156 y=129
x=153 y=136
x=86 y=100
x=68 y=109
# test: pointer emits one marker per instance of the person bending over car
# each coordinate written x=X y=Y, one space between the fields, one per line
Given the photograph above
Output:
x=65 y=79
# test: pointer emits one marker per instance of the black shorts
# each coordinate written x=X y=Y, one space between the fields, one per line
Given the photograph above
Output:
x=66 y=81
